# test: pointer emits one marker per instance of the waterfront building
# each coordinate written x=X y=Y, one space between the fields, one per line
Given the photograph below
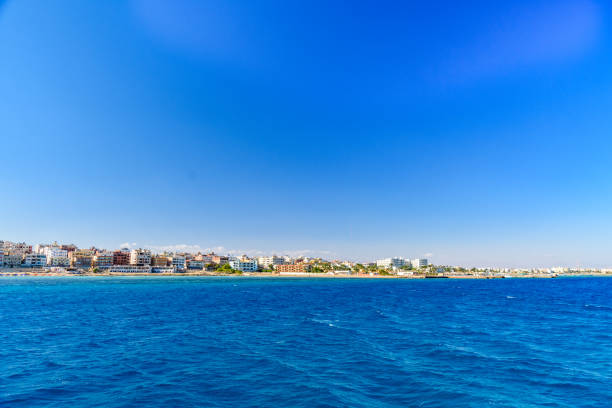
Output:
x=206 y=259
x=419 y=263
x=195 y=264
x=391 y=263
x=163 y=269
x=292 y=268
x=129 y=269
x=56 y=256
x=219 y=259
x=159 y=260
x=12 y=260
x=244 y=264
x=58 y=262
x=35 y=260
x=178 y=261
x=267 y=261
x=103 y=260
x=1 y=258
x=121 y=257
x=140 y=257
x=81 y=258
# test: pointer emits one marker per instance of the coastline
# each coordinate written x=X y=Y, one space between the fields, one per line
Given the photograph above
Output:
x=42 y=273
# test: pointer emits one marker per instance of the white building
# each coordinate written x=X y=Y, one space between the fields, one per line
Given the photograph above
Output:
x=35 y=260
x=55 y=256
x=391 y=263
x=129 y=269
x=419 y=263
x=244 y=264
x=267 y=261
x=163 y=269
x=178 y=261
x=140 y=257
x=1 y=258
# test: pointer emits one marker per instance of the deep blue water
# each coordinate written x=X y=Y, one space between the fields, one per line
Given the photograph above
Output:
x=161 y=342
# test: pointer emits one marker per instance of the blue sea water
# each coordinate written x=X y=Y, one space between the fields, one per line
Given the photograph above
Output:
x=265 y=342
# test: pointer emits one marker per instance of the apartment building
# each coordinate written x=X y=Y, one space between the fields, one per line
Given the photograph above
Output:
x=16 y=248
x=121 y=258
x=219 y=259
x=81 y=258
x=244 y=264
x=179 y=262
x=292 y=268
x=195 y=264
x=159 y=260
x=391 y=263
x=35 y=260
x=268 y=261
x=419 y=263
x=103 y=260
x=140 y=257
x=12 y=260
x=206 y=259
x=56 y=256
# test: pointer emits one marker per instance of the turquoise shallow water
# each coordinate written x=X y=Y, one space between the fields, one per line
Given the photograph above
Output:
x=185 y=342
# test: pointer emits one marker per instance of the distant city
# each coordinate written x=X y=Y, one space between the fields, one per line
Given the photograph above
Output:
x=55 y=258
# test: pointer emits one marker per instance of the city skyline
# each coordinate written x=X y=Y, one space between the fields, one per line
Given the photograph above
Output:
x=469 y=134
x=325 y=256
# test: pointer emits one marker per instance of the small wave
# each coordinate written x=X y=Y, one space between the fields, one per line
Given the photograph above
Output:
x=510 y=297
x=589 y=306
x=322 y=321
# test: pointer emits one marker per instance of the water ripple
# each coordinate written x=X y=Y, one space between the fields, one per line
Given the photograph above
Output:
x=218 y=342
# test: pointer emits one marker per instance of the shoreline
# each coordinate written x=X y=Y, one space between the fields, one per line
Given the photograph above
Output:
x=41 y=273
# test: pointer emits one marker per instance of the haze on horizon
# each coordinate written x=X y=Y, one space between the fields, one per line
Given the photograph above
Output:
x=473 y=133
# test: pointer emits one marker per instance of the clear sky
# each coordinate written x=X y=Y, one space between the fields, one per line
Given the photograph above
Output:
x=474 y=133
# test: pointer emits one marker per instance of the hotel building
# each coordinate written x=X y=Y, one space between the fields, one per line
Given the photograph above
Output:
x=195 y=264
x=56 y=256
x=103 y=260
x=419 y=263
x=244 y=264
x=293 y=268
x=391 y=263
x=179 y=262
x=159 y=260
x=81 y=258
x=267 y=261
x=35 y=260
x=140 y=257
x=121 y=258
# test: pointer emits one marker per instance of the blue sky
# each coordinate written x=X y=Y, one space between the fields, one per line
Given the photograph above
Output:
x=472 y=133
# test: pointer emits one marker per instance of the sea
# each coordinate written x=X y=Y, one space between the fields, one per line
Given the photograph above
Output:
x=303 y=342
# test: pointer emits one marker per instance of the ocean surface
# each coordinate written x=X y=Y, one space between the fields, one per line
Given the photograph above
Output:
x=269 y=342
